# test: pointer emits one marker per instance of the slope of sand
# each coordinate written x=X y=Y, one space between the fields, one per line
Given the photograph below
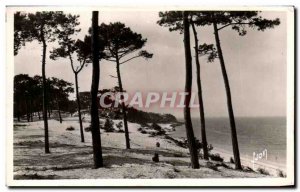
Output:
x=71 y=159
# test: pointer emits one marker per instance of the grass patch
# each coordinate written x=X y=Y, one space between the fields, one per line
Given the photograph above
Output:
x=20 y=125
x=34 y=176
x=263 y=171
x=247 y=169
x=212 y=166
x=280 y=173
x=223 y=165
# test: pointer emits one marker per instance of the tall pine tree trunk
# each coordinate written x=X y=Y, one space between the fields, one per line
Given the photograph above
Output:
x=200 y=98
x=45 y=102
x=79 y=107
x=27 y=111
x=188 y=90
x=235 y=145
x=95 y=129
x=30 y=110
x=59 y=113
x=124 y=111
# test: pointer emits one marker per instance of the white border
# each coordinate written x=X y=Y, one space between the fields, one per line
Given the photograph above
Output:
x=289 y=180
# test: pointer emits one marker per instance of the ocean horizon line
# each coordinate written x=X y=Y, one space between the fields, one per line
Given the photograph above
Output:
x=194 y=117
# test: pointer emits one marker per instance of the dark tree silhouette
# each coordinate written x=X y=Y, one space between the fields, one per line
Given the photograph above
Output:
x=20 y=35
x=200 y=97
x=43 y=27
x=95 y=129
x=38 y=94
x=173 y=20
x=238 y=20
x=188 y=90
x=59 y=90
x=22 y=94
x=68 y=47
x=120 y=44
x=28 y=92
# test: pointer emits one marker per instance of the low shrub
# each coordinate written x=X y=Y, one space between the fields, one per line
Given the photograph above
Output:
x=216 y=157
x=156 y=127
x=212 y=166
x=247 y=169
x=280 y=173
x=120 y=126
x=157 y=133
x=108 y=125
x=70 y=128
x=263 y=171
x=87 y=129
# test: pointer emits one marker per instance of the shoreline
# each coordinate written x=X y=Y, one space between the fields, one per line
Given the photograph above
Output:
x=272 y=167
x=246 y=160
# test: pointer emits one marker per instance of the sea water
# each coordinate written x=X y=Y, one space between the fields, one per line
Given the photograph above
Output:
x=255 y=135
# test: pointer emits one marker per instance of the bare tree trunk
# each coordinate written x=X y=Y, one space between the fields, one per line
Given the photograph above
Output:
x=124 y=111
x=200 y=98
x=31 y=111
x=79 y=107
x=59 y=114
x=235 y=145
x=18 y=110
x=45 y=102
x=188 y=90
x=95 y=129
x=27 y=111
x=31 y=117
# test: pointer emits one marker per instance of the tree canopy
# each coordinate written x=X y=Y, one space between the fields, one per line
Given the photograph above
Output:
x=120 y=41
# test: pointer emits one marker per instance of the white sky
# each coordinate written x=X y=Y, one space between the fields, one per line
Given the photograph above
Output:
x=256 y=65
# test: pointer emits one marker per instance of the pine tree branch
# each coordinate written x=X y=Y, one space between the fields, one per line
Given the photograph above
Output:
x=113 y=76
x=238 y=23
x=81 y=65
x=131 y=59
x=110 y=60
x=71 y=60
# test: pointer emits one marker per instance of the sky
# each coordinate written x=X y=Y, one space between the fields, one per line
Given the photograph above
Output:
x=256 y=65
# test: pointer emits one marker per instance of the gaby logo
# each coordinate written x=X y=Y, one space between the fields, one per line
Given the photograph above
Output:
x=146 y=100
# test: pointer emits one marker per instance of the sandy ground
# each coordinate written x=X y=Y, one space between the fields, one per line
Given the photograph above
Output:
x=71 y=159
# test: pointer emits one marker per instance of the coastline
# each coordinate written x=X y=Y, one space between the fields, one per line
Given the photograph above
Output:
x=270 y=166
